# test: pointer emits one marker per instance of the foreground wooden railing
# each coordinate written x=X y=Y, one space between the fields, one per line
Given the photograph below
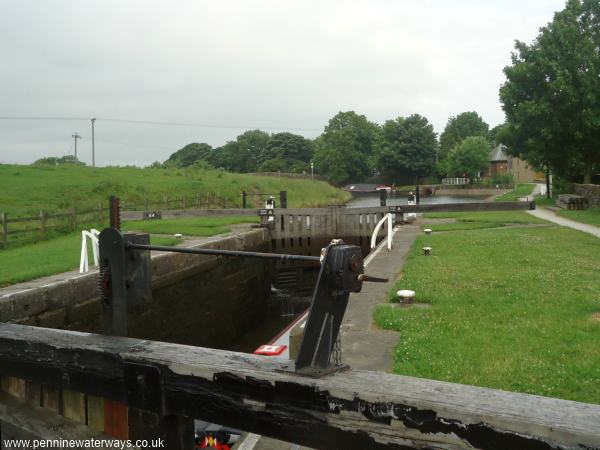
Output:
x=346 y=410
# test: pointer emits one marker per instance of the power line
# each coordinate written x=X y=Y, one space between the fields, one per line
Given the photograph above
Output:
x=158 y=123
x=133 y=145
x=41 y=118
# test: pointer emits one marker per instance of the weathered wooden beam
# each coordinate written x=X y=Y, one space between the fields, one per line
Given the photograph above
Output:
x=21 y=420
x=349 y=409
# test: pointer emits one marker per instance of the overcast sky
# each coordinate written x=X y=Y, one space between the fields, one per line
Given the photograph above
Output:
x=270 y=64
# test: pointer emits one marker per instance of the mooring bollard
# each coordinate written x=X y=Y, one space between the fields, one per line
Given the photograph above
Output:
x=427 y=230
x=427 y=251
x=406 y=296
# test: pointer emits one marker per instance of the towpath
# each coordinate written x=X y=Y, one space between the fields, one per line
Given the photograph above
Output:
x=364 y=345
x=551 y=216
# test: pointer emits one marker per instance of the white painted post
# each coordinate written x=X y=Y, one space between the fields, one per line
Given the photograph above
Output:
x=388 y=218
x=83 y=262
x=389 y=234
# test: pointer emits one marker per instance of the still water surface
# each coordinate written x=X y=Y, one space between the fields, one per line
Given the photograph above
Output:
x=361 y=200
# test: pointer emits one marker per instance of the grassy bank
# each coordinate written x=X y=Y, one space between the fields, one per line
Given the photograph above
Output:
x=510 y=308
x=62 y=254
x=521 y=190
x=48 y=258
x=25 y=190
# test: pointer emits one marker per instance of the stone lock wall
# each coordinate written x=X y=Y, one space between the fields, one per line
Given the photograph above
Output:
x=197 y=299
x=589 y=191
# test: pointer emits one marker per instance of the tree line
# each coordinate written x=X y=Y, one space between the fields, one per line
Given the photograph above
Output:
x=551 y=100
x=353 y=148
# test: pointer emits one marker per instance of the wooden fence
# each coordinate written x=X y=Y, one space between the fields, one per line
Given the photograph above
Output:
x=19 y=230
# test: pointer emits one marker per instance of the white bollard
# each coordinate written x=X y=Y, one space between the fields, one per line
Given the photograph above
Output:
x=406 y=296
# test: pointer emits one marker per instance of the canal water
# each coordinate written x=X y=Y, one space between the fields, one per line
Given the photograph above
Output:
x=372 y=199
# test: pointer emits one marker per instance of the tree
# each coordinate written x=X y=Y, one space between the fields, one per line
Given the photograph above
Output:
x=407 y=145
x=58 y=161
x=226 y=157
x=344 y=151
x=288 y=147
x=552 y=94
x=494 y=135
x=188 y=155
x=251 y=147
x=458 y=128
x=469 y=157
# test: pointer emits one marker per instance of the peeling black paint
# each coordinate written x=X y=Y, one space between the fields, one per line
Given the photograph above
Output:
x=290 y=410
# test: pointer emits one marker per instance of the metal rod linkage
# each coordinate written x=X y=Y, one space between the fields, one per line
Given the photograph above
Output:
x=211 y=251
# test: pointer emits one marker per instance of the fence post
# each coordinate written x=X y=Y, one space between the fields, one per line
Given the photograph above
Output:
x=4 y=220
x=146 y=204
x=182 y=202
x=43 y=223
x=197 y=199
x=244 y=195
x=283 y=199
x=100 y=212
x=166 y=200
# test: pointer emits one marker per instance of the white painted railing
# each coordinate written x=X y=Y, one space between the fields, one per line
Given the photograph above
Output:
x=455 y=181
x=93 y=236
x=388 y=218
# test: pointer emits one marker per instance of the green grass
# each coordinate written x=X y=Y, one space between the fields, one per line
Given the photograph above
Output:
x=492 y=217
x=25 y=190
x=510 y=309
x=197 y=226
x=522 y=190
x=49 y=257
x=62 y=254
x=590 y=216
x=542 y=200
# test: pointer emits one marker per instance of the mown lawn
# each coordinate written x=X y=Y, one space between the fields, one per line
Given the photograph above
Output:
x=511 y=309
x=197 y=226
x=521 y=190
x=479 y=220
x=49 y=257
x=590 y=216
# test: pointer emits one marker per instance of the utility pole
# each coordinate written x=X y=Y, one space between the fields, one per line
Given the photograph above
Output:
x=76 y=136
x=93 y=145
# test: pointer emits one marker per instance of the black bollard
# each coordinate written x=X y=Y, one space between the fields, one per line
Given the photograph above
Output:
x=382 y=197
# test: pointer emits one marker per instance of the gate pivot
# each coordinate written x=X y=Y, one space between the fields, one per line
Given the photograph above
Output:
x=342 y=272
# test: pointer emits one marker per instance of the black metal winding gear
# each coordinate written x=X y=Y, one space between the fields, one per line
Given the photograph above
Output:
x=104 y=282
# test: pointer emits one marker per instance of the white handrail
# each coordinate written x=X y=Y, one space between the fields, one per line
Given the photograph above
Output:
x=388 y=218
x=93 y=236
